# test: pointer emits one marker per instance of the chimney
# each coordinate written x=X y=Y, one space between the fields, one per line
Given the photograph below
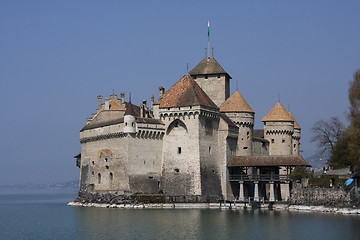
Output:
x=143 y=109
x=107 y=103
x=152 y=102
x=122 y=99
x=99 y=102
x=161 y=92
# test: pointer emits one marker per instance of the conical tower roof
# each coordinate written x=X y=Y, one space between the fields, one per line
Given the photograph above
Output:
x=186 y=92
x=130 y=109
x=296 y=125
x=236 y=103
x=208 y=66
x=277 y=114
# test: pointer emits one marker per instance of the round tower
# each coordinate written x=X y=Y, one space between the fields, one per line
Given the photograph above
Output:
x=129 y=119
x=239 y=111
x=278 y=130
x=296 y=137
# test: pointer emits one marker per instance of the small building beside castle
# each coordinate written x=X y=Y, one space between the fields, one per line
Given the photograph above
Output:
x=196 y=140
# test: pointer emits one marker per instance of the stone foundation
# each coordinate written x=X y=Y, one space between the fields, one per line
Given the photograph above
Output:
x=330 y=197
x=124 y=198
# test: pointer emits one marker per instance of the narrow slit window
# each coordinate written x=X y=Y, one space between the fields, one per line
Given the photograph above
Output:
x=179 y=150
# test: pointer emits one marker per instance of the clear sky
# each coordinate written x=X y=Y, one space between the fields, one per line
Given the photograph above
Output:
x=57 y=56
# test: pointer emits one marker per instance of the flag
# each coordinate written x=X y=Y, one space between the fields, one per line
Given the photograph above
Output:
x=208 y=29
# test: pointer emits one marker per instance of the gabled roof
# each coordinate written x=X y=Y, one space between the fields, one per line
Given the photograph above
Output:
x=236 y=103
x=186 y=92
x=94 y=124
x=114 y=105
x=296 y=125
x=208 y=66
x=277 y=114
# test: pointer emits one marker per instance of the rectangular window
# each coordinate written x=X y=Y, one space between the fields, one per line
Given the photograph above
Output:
x=283 y=141
x=179 y=150
x=272 y=140
x=210 y=151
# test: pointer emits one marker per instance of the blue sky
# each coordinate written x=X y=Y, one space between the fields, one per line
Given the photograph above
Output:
x=57 y=56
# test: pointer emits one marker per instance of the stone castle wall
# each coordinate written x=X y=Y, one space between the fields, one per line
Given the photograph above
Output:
x=212 y=86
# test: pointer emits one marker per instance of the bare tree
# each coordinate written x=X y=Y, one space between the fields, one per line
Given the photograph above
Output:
x=326 y=134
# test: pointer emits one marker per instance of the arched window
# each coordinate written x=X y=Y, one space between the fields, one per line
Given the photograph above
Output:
x=176 y=124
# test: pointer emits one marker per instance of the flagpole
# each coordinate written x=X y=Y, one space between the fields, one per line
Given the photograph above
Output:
x=208 y=39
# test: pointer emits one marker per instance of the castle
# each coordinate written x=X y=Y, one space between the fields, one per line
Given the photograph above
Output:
x=194 y=141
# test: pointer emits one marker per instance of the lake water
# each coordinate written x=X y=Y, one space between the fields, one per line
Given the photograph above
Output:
x=45 y=215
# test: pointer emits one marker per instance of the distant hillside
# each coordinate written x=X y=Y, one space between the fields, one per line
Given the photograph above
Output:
x=316 y=161
x=61 y=185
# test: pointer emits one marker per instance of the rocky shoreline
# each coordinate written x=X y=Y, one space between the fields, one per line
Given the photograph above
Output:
x=232 y=206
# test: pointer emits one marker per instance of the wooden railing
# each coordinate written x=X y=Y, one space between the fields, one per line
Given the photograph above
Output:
x=261 y=177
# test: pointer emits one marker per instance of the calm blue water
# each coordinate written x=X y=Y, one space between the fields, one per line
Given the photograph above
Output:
x=44 y=215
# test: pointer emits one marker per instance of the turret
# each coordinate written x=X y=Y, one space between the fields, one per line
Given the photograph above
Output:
x=296 y=137
x=239 y=111
x=278 y=130
x=129 y=119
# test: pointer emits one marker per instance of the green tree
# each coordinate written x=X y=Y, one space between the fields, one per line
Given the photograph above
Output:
x=354 y=129
x=299 y=173
x=340 y=156
x=346 y=150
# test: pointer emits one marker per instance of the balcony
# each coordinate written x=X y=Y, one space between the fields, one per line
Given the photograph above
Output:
x=259 y=178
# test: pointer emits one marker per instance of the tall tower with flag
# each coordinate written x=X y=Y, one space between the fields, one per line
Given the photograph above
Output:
x=211 y=77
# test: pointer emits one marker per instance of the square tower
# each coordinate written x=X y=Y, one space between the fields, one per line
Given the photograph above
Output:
x=213 y=79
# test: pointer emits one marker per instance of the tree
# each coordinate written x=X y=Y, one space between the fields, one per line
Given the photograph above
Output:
x=340 y=156
x=299 y=173
x=343 y=145
x=346 y=151
x=326 y=134
x=354 y=128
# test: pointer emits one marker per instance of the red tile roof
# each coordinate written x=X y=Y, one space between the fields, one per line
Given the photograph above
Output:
x=277 y=114
x=236 y=103
x=186 y=92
